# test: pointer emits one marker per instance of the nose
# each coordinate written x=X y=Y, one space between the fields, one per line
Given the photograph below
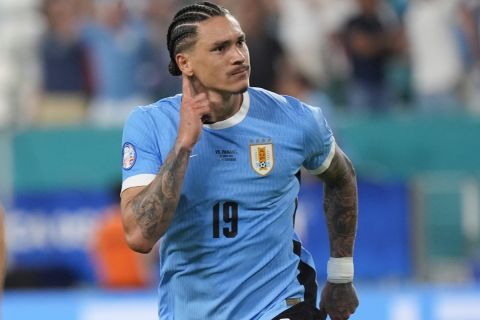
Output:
x=239 y=55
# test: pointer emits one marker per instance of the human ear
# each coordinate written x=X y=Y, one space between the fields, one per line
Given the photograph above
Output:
x=184 y=64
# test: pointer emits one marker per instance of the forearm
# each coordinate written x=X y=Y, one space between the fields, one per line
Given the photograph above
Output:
x=340 y=205
x=153 y=208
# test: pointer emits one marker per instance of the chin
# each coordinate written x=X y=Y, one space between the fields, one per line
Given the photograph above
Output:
x=242 y=90
x=238 y=88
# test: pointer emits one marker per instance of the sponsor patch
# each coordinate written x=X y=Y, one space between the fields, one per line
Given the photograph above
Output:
x=261 y=158
x=129 y=155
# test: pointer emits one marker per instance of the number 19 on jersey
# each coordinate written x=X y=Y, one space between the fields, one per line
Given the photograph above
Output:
x=229 y=222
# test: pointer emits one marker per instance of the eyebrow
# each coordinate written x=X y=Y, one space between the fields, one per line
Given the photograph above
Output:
x=227 y=42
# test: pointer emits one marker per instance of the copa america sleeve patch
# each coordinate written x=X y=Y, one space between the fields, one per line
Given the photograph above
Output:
x=129 y=155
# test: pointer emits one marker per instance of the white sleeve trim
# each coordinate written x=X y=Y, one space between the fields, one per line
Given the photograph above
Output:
x=326 y=164
x=137 y=181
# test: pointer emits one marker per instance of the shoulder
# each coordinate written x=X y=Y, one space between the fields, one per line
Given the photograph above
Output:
x=154 y=115
x=287 y=104
x=164 y=106
x=257 y=93
x=266 y=97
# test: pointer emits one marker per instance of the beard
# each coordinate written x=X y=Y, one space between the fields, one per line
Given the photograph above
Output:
x=242 y=90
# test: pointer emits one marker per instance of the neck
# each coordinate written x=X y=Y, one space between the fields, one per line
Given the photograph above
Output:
x=224 y=105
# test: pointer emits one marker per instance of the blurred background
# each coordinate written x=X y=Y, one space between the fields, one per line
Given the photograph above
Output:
x=398 y=80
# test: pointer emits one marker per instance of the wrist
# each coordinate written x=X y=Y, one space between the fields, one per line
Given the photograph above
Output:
x=340 y=270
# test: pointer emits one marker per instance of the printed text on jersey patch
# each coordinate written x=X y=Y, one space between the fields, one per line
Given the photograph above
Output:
x=226 y=155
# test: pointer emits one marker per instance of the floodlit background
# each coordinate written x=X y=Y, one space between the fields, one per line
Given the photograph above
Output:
x=398 y=80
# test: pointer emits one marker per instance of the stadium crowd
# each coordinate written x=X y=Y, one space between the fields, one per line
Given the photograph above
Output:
x=76 y=61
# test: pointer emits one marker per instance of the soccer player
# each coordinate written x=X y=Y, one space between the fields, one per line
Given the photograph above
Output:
x=214 y=172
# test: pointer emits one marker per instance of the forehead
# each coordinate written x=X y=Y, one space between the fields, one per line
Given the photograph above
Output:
x=218 y=29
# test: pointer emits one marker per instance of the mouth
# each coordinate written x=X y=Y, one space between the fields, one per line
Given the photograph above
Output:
x=240 y=71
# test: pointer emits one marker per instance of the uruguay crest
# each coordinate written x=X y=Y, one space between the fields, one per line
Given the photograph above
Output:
x=261 y=158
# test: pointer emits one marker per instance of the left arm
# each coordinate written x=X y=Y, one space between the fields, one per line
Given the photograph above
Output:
x=339 y=299
x=340 y=204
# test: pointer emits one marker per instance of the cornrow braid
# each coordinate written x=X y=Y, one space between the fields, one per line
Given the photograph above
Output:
x=183 y=29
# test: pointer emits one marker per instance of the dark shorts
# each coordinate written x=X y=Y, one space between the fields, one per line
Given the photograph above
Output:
x=300 y=311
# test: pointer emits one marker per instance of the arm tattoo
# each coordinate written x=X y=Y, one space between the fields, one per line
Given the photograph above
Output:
x=155 y=206
x=340 y=206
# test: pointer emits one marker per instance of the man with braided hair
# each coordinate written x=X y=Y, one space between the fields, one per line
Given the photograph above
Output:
x=214 y=173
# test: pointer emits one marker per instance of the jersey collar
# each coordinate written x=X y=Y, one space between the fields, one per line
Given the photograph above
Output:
x=236 y=118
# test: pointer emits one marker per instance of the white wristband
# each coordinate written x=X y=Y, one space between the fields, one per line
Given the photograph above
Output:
x=340 y=270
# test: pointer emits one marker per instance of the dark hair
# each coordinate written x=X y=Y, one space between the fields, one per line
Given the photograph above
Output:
x=183 y=29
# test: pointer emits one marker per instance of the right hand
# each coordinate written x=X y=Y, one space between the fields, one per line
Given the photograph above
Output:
x=195 y=105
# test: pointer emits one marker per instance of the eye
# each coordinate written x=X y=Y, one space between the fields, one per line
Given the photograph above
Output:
x=241 y=42
x=220 y=48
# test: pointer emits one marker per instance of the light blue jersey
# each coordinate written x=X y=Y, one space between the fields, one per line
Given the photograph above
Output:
x=231 y=251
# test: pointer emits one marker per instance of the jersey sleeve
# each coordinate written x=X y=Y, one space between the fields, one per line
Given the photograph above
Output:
x=319 y=141
x=140 y=152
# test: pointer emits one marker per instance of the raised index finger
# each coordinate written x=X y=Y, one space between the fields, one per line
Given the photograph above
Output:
x=187 y=86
